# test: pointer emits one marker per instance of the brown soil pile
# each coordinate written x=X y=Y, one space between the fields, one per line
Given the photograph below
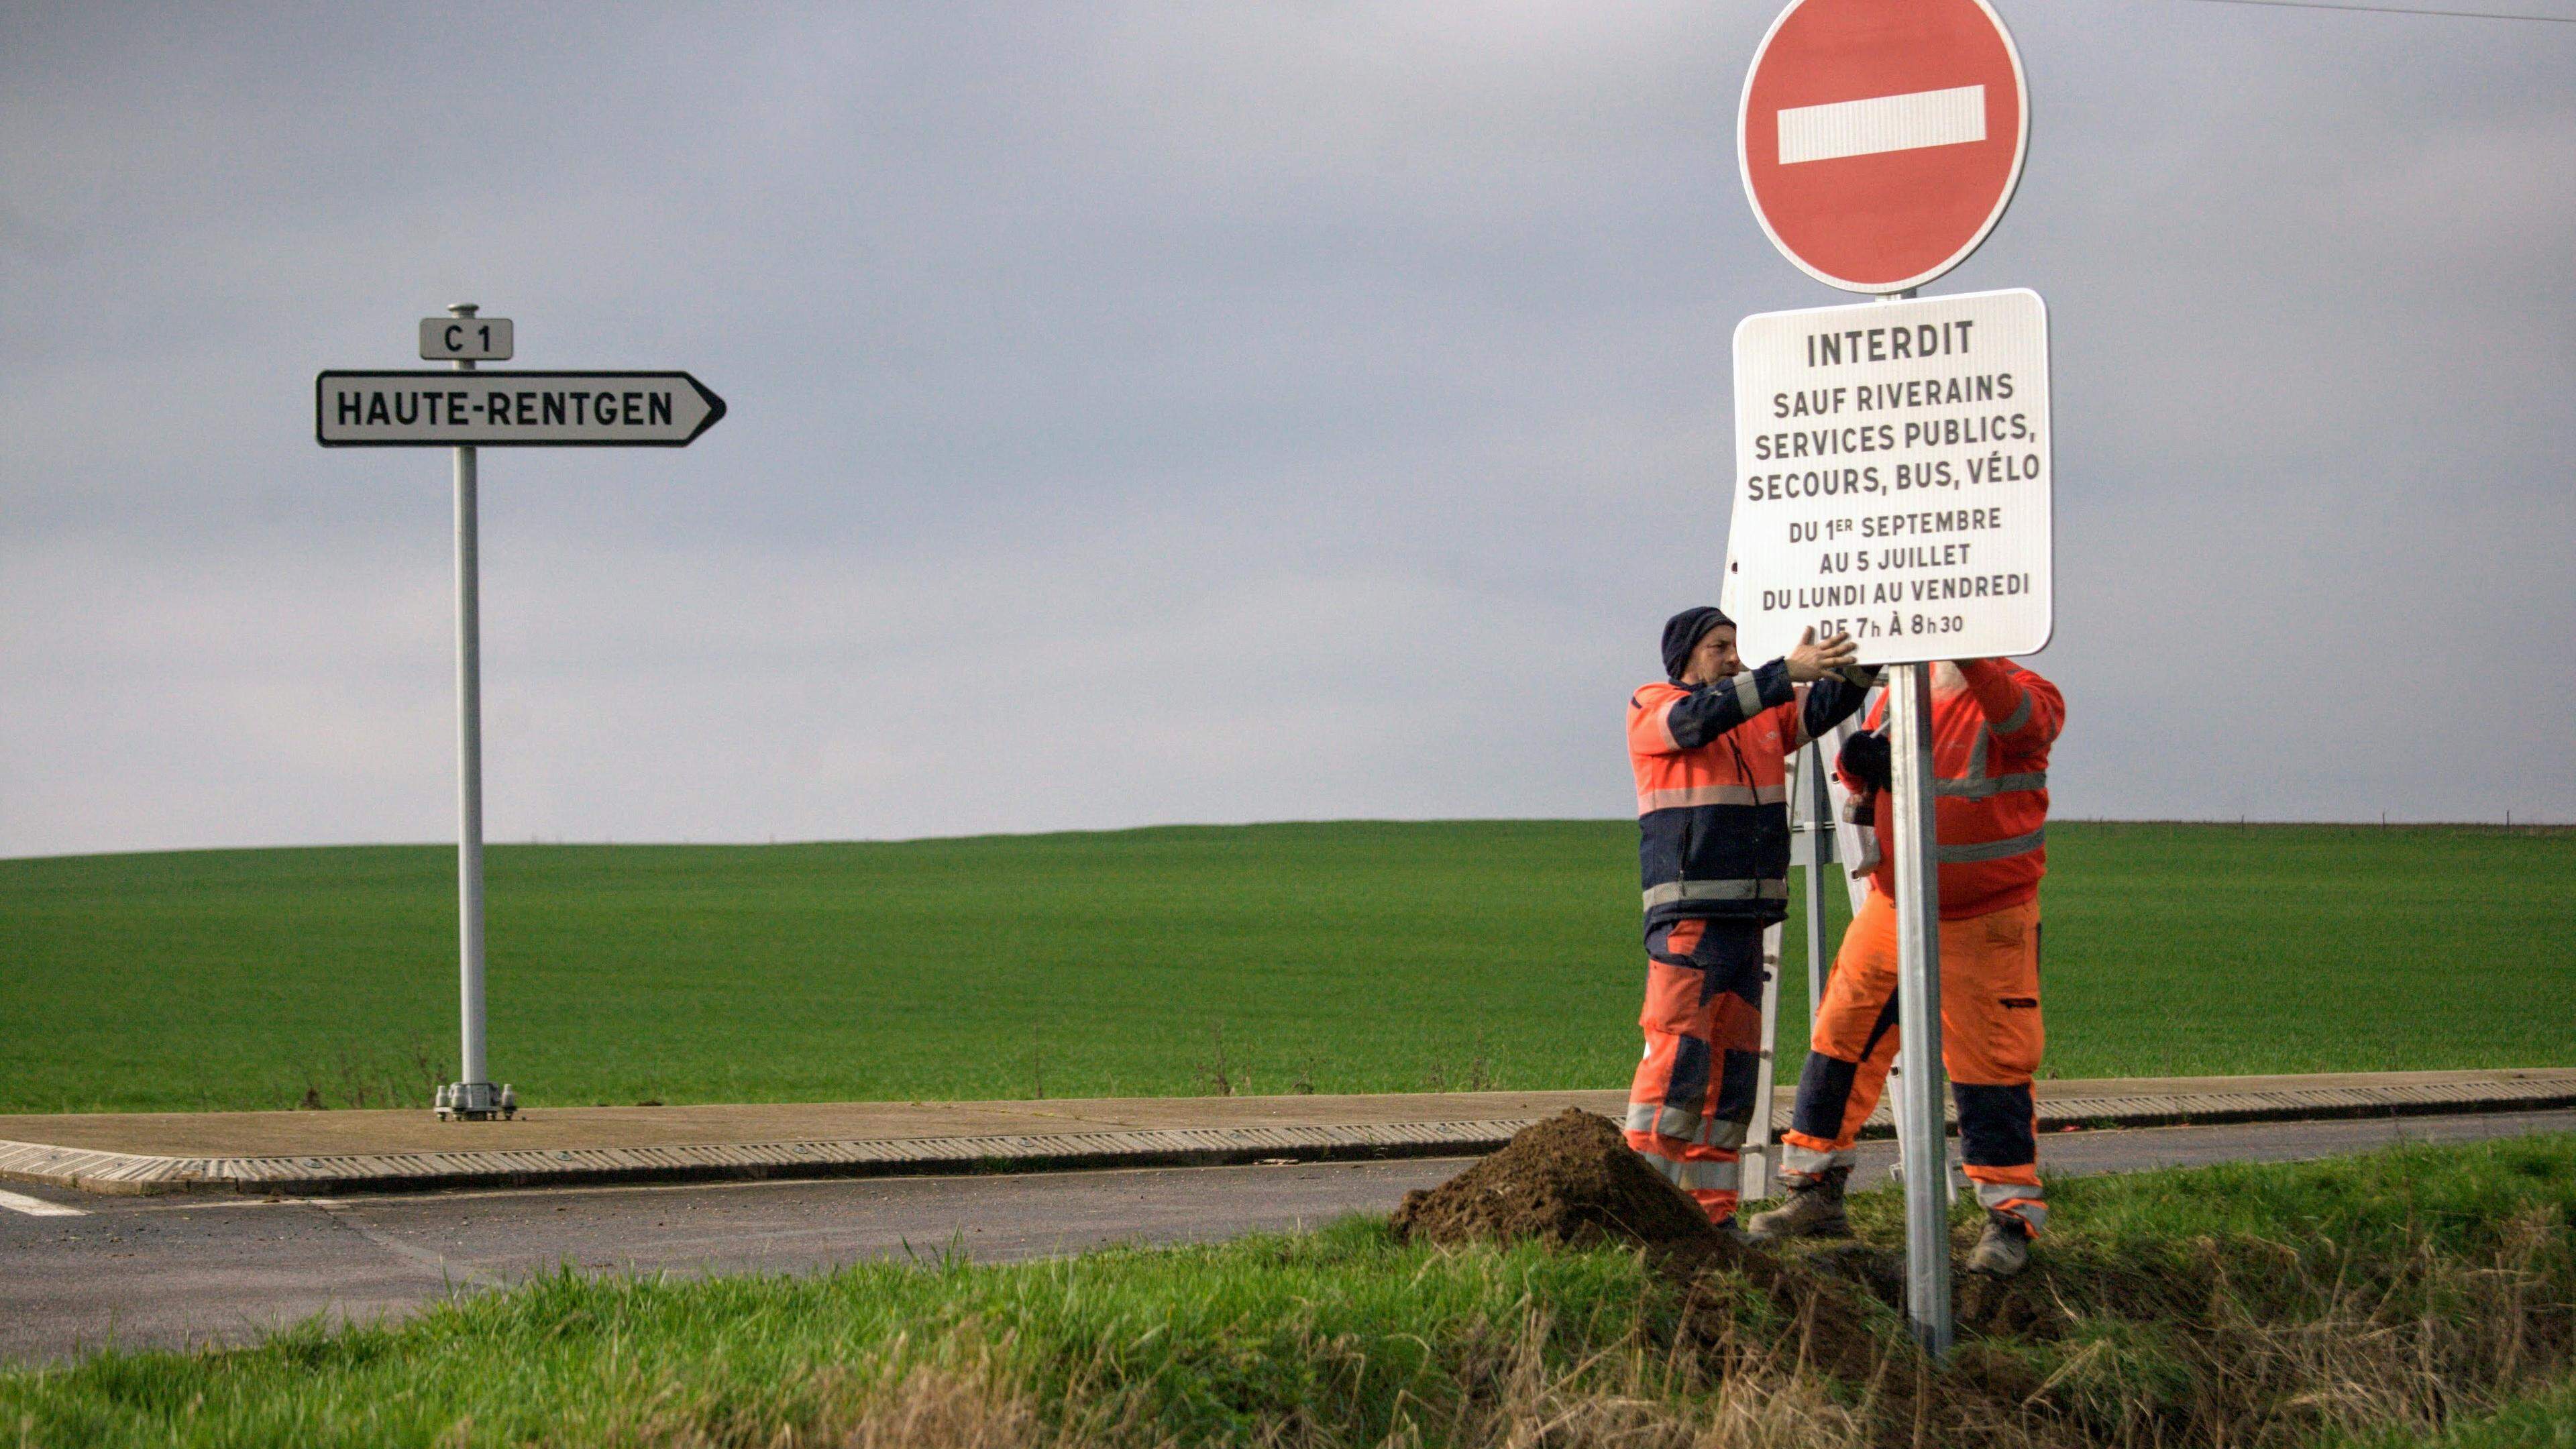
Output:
x=1571 y=1180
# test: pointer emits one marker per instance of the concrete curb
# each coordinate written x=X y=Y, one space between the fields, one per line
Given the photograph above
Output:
x=125 y=1173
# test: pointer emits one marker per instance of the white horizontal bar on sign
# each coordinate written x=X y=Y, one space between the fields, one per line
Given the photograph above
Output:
x=1883 y=123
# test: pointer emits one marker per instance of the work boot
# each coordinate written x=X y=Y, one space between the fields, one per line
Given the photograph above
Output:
x=1814 y=1210
x=2003 y=1249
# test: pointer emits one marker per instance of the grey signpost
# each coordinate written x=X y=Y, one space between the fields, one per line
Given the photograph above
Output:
x=471 y=1096
x=1923 y=1151
x=416 y=409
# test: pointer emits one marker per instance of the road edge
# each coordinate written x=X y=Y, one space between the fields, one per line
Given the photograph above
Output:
x=129 y=1174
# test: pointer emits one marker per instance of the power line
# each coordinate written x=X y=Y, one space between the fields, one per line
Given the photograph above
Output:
x=2395 y=10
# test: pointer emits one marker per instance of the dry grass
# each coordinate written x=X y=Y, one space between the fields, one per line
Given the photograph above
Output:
x=2190 y=1359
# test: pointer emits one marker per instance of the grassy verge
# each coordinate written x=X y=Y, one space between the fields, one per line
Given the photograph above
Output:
x=2542 y=1419
x=2257 y=1306
x=1329 y=957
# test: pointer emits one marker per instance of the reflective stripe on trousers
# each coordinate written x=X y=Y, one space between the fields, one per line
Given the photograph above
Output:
x=1697 y=1177
x=1798 y=1160
x=1682 y=1124
x=2021 y=1200
x=1674 y=891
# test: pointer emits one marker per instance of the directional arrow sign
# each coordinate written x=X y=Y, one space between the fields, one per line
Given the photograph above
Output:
x=426 y=409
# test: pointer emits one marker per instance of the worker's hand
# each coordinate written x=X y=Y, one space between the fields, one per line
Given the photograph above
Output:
x=1809 y=661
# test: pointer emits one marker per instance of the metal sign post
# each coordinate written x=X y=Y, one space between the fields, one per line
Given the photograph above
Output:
x=1918 y=1012
x=421 y=409
x=1922 y=1146
x=472 y=1096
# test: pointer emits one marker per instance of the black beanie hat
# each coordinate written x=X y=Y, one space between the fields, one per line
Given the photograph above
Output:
x=1682 y=633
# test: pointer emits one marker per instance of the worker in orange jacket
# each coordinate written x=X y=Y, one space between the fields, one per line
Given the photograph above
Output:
x=1992 y=725
x=1709 y=746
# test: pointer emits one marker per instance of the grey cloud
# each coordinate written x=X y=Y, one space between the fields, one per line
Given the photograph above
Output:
x=1212 y=413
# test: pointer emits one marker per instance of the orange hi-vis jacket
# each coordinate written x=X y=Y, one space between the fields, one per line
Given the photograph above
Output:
x=1990 y=787
x=1711 y=763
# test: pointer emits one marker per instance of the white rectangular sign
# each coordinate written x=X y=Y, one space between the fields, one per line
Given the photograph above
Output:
x=511 y=409
x=1892 y=478
x=468 y=339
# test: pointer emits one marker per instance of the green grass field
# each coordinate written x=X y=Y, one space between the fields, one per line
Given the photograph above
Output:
x=2357 y=1301
x=2543 y=1419
x=1276 y=958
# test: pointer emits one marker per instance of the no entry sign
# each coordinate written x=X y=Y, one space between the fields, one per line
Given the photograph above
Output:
x=1881 y=139
x=1892 y=478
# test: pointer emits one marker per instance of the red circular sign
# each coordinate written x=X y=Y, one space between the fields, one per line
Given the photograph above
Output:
x=1882 y=139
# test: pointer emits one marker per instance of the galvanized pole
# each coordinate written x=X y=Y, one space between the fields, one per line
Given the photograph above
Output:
x=1918 y=1011
x=474 y=1085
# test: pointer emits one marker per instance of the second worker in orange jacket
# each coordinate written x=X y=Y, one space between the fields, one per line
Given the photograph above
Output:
x=1992 y=725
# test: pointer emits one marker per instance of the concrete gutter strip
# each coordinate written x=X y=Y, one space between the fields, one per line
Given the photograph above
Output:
x=125 y=1173
x=1294 y=1129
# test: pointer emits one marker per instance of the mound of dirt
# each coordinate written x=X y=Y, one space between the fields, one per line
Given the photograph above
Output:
x=1571 y=1180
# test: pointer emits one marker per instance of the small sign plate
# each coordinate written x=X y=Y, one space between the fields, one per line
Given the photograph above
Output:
x=465 y=339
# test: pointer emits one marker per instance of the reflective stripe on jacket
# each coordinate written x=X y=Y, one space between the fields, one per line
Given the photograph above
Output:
x=1712 y=789
x=1990 y=745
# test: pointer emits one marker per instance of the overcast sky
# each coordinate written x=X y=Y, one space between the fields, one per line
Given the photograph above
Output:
x=1212 y=412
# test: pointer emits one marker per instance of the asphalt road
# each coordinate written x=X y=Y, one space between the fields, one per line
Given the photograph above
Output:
x=171 y=1272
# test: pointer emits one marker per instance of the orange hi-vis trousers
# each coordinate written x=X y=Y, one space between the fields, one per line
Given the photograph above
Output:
x=1693 y=1095
x=1990 y=1045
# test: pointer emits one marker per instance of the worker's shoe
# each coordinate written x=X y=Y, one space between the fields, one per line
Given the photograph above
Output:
x=2003 y=1249
x=1814 y=1210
